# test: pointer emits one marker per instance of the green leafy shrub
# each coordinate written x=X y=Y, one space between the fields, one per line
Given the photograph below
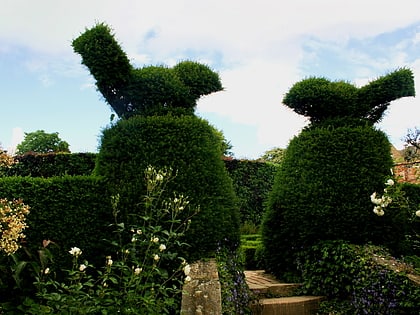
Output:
x=322 y=191
x=412 y=193
x=187 y=144
x=236 y=296
x=365 y=279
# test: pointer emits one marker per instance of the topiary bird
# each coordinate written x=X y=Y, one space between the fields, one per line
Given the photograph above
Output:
x=320 y=99
x=144 y=91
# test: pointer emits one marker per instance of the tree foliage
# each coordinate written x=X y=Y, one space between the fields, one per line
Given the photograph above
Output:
x=41 y=142
x=412 y=145
x=144 y=91
x=320 y=99
x=274 y=155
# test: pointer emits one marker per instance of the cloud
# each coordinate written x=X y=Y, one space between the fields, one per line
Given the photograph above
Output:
x=17 y=137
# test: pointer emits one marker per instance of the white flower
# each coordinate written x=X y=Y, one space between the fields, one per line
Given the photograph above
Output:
x=389 y=182
x=418 y=213
x=47 y=271
x=156 y=257
x=162 y=247
x=137 y=271
x=375 y=200
x=134 y=239
x=154 y=239
x=139 y=232
x=187 y=269
x=82 y=267
x=75 y=251
x=187 y=279
x=109 y=261
x=159 y=177
x=385 y=201
x=378 y=211
x=127 y=251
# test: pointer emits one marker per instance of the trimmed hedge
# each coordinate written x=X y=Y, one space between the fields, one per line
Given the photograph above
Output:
x=252 y=181
x=52 y=164
x=322 y=191
x=191 y=147
x=69 y=210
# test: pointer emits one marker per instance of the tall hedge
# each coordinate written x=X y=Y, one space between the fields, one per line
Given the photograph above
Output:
x=252 y=181
x=188 y=145
x=69 y=210
x=322 y=191
x=51 y=164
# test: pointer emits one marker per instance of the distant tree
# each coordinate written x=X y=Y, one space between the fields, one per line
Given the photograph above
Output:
x=41 y=142
x=412 y=145
x=226 y=145
x=143 y=91
x=274 y=155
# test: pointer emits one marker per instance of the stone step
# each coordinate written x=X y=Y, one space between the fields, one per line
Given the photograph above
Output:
x=275 y=298
x=263 y=284
x=294 y=305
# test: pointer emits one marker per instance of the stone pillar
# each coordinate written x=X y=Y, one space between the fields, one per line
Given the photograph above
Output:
x=202 y=294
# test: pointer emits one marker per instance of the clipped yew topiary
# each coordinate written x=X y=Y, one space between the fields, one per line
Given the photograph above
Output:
x=323 y=186
x=191 y=148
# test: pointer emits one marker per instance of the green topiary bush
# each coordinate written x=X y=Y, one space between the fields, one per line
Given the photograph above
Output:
x=323 y=187
x=322 y=191
x=191 y=148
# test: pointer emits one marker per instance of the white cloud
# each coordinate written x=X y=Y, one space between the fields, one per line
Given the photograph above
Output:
x=17 y=137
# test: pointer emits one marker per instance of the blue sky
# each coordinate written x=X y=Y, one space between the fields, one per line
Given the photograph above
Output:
x=259 y=48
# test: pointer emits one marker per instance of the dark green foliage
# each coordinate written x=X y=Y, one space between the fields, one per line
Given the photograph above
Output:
x=236 y=296
x=412 y=193
x=320 y=99
x=143 y=91
x=192 y=148
x=107 y=63
x=322 y=191
x=252 y=181
x=357 y=276
x=52 y=164
x=69 y=210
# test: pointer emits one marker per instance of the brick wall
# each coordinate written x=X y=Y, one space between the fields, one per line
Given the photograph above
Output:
x=408 y=172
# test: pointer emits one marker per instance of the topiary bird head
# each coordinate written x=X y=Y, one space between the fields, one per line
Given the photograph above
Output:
x=321 y=99
x=144 y=91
